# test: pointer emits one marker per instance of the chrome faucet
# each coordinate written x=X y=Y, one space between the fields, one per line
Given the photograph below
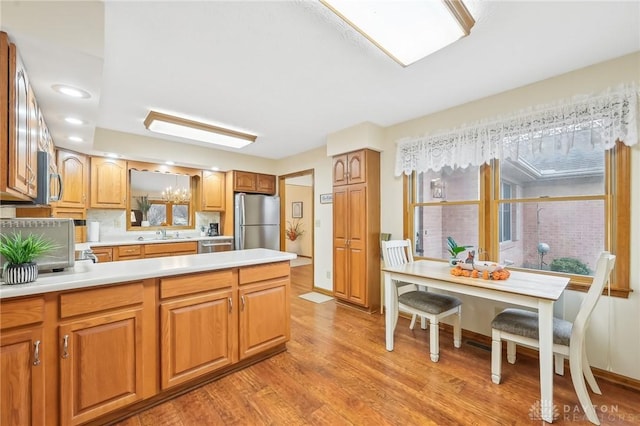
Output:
x=163 y=231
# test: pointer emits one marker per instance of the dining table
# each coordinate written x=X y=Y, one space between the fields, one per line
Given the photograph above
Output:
x=537 y=291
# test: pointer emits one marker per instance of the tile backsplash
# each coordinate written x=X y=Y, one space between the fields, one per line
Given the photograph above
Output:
x=113 y=223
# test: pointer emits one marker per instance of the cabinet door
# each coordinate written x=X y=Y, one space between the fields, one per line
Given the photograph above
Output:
x=264 y=316
x=340 y=170
x=356 y=245
x=356 y=167
x=22 y=176
x=266 y=184
x=197 y=336
x=213 y=184
x=23 y=378
x=244 y=181
x=74 y=169
x=108 y=183
x=340 y=242
x=100 y=365
x=104 y=254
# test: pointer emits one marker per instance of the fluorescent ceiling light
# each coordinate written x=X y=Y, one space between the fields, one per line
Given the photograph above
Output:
x=406 y=30
x=195 y=130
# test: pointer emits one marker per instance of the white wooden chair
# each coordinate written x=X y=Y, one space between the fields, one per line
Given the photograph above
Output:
x=426 y=305
x=518 y=326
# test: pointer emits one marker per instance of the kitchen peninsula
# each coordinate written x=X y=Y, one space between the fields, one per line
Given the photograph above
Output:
x=100 y=341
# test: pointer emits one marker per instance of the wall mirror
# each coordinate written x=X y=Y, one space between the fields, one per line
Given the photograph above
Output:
x=160 y=199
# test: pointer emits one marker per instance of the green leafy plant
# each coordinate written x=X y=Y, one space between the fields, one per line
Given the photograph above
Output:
x=453 y=248
x=569 y=265
x=18 y=250
x=144 y=205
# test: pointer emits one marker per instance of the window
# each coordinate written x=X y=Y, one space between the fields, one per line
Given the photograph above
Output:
x=504 y=218
x=163 y=213
x=554 y=215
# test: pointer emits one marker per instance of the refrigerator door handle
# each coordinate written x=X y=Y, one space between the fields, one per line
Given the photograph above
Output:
x=242 y=221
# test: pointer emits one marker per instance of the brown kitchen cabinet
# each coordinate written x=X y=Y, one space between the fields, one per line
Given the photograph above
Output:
x=198 y=325
x=170 y=249
x=128 y=252
x=213 y=191
x=103 y=254
x=74 y=170
x=21 y=362
x=356 y=233
x=78 y=215
x=264 y=301
x=253 y=182
x=20 y=142
x=351 y=168
x=101 y=351
x=108 y=183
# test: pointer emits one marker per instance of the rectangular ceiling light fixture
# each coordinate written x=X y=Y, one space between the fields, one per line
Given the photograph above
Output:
x=406 y=30
x=195 y=130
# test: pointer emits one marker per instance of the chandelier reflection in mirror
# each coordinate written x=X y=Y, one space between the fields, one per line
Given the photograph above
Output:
x=176 y=195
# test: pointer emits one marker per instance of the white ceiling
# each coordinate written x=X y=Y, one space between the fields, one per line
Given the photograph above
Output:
x=288 y=71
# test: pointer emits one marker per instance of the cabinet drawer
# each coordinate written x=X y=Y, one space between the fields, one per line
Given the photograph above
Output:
x=170 y=249
x=126 y=251
x=195 y=283
x=100 y=299
x=251 y=274
x=21 y=312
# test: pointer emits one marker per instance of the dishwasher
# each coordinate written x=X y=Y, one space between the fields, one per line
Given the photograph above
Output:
x=215 y=245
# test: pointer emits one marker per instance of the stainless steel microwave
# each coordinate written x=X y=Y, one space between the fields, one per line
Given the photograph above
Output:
x=61 y=232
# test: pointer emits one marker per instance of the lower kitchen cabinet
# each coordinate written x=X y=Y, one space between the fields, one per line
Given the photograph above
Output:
x=101 y=357
x=21 y=352
x=264 y=319
x=23 y=380
x=114 y=346
x=197 y=336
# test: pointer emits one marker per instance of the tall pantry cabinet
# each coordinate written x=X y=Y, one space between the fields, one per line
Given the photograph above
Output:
x=356 y=229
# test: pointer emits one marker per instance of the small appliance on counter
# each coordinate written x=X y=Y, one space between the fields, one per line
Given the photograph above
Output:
x=60 y=232
x=214 y=230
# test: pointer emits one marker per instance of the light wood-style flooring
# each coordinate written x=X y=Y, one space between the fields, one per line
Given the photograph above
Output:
x=336 y=371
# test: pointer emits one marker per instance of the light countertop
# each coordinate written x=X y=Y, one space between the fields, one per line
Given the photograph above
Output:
x=88 y=274
x=122 y=240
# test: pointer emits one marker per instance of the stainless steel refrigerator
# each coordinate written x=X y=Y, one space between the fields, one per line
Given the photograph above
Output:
x=257 y=221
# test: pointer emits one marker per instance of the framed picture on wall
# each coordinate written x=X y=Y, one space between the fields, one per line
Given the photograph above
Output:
x=296 y=209
x=326 y=198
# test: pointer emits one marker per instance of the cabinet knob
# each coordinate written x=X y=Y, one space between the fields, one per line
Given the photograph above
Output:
x=36 y=352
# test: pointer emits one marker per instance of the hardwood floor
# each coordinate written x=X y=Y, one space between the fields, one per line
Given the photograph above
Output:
x=336 y=371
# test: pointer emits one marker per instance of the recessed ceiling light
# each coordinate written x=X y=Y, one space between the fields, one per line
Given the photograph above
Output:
x=76 y=139
x=74 y=120
x=215 y=169
x=111 y=155
x=169 y=163
x=74 y=92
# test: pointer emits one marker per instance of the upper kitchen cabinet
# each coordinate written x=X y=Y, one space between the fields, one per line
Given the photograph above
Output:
x=108 y=183
x=213 y=184
x=350 y=168
x=19 y=138
x=253 y=182
x=74 y=170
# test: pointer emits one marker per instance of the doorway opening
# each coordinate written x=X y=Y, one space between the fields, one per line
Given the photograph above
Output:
x=297 y=217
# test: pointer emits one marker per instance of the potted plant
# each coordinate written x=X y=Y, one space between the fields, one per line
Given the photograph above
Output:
x=144 y=205
x=19 y=254
x=454 y=250
x=294 y=230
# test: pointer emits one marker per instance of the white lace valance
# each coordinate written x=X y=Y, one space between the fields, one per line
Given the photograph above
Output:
x=605 y=118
